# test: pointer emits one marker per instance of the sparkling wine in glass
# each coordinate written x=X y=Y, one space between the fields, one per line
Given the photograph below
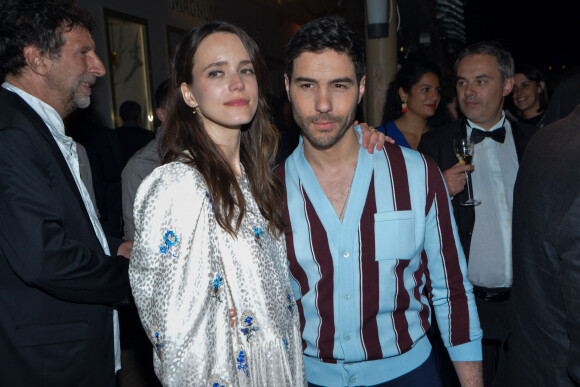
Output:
x=464 y=152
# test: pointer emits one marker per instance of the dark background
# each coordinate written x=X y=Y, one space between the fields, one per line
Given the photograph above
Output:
x=539 y=32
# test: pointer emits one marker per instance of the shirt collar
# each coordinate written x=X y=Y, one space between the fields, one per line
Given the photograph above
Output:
x=48 y=114
x=502 y=121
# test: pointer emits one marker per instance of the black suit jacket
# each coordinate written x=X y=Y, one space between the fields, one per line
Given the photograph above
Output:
x=439 y=145
x=57 y=287
x=543 y=337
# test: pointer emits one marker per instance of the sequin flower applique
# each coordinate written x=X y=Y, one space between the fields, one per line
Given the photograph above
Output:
x=158 y=343
x=249 y=324
x=216 y=287
x=169 y=240
x=243 y=363
x=290 y=304
x=259 y=235
x=216 y=381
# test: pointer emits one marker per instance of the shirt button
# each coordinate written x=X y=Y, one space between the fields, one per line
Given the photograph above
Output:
x=347 y=296
x=352 y=380
x=346 y=254
x=347 y=337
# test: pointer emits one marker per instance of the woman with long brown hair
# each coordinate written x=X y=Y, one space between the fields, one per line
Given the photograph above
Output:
x=208 y=226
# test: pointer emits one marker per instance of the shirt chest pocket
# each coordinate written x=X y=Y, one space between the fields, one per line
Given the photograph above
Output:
x=395 y=235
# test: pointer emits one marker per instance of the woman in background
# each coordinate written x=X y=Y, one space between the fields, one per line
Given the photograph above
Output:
x=412 y=99
x=208 y=226
x=529 y=95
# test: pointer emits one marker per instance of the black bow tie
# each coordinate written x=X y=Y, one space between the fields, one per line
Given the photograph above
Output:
x=480 y=135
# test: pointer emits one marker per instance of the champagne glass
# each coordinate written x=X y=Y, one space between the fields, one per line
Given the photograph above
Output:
x=464 y=152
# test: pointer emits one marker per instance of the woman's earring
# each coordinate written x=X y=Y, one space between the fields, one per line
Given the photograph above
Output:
x=194 y=111
x=404 y=107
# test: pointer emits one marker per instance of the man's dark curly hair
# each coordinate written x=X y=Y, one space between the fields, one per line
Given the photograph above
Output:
x=39 y=23
x=327 y=33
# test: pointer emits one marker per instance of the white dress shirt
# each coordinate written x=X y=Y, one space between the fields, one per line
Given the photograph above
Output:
x=68 y=148
x=495 y=169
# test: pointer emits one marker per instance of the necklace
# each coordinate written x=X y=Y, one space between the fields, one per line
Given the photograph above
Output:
x=347 y=196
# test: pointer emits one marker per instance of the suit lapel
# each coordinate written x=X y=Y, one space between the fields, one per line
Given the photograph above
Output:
x=41 y=128
x=461 y=129
x=518 y=140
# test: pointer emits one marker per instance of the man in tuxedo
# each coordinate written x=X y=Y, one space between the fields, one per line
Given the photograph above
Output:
x=58 y=282
x=484 y=74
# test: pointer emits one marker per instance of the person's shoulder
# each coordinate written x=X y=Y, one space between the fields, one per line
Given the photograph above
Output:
x=146 y=133
x=149 y=153
x=442 y=132
x=523 y=129
x=21 y=126
x=437 y=141
x=394 y=149
x=14 y=111
x=176 y=176
x=557 y=133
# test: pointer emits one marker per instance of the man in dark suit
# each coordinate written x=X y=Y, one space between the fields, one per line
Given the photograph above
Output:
x=484 y=74
x=58 y=283
x=542 y=346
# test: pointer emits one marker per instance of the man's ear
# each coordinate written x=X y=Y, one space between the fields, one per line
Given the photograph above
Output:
x=508 y=85
x=160 y=112
x=361 y=87
x=38 y=62
x=188 y=97
x=287 y=83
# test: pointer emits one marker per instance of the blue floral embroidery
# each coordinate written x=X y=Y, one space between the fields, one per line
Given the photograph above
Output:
x=249 y=323
x=158 y=343
x=290 y=304
x=216 y=381
x=243 y=363
x=170 y=240
x=217 y=287
x=258 y=232
x=258 y=235
x=286 y=344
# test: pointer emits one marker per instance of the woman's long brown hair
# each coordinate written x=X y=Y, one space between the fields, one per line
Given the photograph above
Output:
x=185 y=139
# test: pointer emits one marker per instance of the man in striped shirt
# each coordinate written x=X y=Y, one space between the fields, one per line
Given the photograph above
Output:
x=371 y=239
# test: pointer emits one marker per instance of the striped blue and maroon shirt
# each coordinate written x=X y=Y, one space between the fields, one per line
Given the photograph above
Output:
x=363 y=286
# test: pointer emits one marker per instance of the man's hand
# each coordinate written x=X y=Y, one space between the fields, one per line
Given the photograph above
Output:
x=125 y=249
x=455 y=178
x=372 y=137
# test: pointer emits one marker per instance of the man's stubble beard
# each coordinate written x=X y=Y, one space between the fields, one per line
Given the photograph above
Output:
x=324 y=141
x=74 y=96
